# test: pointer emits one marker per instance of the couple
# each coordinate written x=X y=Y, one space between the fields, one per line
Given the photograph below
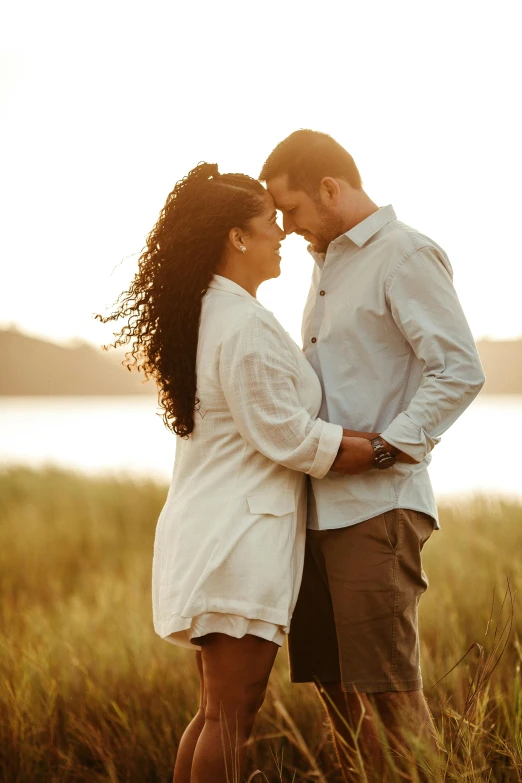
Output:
x=388 y=365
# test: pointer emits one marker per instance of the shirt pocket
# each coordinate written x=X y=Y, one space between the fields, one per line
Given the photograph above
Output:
x=277 y=503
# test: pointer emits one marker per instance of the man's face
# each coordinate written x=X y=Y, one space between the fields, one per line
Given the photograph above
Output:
x=303 y=215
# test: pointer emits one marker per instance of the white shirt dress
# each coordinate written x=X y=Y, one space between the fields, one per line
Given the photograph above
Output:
x=229 y=546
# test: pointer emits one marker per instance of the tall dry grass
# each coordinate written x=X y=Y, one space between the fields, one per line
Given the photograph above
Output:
x=89 y=693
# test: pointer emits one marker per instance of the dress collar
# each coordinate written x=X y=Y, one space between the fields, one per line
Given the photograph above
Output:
x=220 y=283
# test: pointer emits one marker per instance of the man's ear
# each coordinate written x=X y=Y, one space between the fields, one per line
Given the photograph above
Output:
x=329 y=191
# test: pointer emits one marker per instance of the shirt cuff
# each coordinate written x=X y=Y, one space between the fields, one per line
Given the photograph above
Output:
x=327 y=449
x=407 y=436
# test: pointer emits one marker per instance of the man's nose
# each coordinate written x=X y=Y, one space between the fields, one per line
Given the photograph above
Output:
x=289 y=224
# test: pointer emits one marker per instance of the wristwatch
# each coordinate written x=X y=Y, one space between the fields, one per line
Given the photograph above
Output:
x=383 y=459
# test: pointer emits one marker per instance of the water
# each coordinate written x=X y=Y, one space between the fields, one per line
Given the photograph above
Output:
x=125 y=435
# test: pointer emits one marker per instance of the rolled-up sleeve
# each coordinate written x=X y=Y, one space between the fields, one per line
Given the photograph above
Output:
x=260 y=378
x=426 y=309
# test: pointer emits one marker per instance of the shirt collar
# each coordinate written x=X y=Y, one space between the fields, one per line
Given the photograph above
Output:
x=367 y=228
x=362 y=232
x=220 y=283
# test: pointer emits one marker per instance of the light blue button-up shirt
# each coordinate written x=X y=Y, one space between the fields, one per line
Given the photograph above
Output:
x=384 y=330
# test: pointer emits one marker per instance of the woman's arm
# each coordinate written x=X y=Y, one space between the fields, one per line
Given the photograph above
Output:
x=358 y=434
x=260 y=378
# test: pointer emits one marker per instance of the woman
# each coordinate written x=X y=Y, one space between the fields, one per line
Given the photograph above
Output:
x=229 y=544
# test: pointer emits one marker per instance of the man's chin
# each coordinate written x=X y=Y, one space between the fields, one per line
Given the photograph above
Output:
x=318 y=245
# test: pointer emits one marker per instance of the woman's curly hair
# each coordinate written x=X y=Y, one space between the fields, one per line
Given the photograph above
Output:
x=163 y=304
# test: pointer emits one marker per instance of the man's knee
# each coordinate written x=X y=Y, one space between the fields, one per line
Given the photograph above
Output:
x=334 y=692
x=399 y=699
x=343 y=706
x=406 y=707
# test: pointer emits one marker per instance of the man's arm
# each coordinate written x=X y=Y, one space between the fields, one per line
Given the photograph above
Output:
x=425 y=307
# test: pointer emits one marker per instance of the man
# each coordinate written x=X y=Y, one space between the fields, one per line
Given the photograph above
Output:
x=385 y=332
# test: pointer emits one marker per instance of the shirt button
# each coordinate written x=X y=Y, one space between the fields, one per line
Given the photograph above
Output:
x=322 y=293
x=314 y=339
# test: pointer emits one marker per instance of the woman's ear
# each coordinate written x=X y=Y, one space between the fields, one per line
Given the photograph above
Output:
x=236 y=238
x=329 y=191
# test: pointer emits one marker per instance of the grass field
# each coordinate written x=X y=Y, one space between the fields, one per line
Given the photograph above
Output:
x=89 y=693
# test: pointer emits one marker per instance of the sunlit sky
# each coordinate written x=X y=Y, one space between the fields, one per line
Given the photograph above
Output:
x=105 y=105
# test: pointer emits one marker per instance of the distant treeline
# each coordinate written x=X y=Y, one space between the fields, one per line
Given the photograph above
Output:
x=29 y=366
x=502 y=362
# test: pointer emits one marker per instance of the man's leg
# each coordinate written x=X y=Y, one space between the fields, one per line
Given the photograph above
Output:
x=407 y=720
x=375 y=581
x=312 y=642
x=355 y=732
x=369 y=729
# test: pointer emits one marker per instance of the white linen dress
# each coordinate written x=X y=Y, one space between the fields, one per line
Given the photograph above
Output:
x=229 y=545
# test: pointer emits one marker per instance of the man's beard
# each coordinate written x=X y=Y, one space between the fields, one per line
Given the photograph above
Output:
x=331 y=227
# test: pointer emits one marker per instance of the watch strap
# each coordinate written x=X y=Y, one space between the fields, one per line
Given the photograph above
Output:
x=382 y=457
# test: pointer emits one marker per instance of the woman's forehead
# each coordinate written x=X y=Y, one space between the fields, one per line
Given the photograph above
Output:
x=269 y=201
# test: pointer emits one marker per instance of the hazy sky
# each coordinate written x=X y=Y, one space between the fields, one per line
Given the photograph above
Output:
x=105 y=105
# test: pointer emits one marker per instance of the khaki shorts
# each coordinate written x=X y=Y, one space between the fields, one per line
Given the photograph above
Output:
x=356 y=616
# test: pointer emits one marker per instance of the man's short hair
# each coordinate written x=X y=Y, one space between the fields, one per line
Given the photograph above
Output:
x=306 y=156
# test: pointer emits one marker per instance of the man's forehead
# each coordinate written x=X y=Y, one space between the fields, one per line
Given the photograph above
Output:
x=281 y=193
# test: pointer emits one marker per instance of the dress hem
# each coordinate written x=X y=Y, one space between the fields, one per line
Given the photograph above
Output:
x=184 y=631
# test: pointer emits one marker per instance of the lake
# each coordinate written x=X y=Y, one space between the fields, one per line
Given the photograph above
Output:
x=126 y=436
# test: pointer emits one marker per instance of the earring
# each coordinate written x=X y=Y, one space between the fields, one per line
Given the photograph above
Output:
x=242 y=248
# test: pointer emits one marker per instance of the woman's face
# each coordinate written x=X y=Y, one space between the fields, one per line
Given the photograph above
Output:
x=263 y=243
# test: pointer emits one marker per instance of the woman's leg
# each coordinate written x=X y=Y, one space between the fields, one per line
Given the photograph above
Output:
x=236 y=673
x=187 y=745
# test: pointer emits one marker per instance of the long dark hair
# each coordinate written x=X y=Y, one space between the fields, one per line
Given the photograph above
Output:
x=162 y=307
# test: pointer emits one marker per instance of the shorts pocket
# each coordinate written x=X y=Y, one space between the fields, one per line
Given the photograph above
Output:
x=392 y=527
x=276 y=503
x=424 y=525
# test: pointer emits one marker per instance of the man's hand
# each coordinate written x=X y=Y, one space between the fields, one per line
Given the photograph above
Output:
x=355 y=456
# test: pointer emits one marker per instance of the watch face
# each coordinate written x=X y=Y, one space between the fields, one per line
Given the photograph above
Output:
x=383 y=458
x=385 y=461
